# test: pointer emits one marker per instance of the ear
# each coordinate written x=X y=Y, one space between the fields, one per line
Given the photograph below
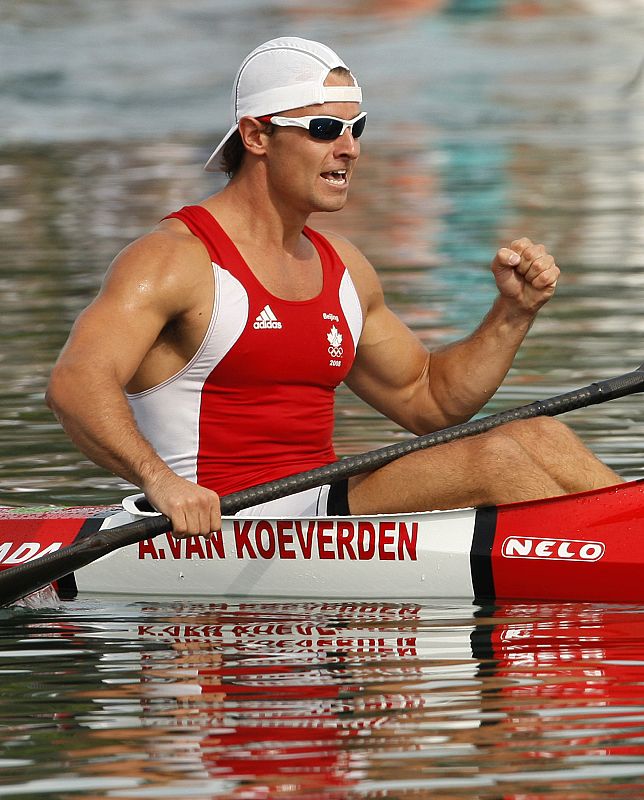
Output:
x=253 y=135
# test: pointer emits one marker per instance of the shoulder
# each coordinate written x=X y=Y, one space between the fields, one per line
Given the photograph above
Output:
x=362 y=272
x=168 y=263
x=169 y=247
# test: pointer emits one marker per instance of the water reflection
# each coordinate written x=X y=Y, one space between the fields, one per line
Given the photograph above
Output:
x=326 y=699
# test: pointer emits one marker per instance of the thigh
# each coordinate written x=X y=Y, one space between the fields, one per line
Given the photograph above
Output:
x=487 y=469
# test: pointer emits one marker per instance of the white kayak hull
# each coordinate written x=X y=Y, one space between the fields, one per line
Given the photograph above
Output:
x=407 y=555
x=584 y=547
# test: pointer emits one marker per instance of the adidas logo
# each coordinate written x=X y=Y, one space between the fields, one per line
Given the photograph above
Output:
x=267 y=319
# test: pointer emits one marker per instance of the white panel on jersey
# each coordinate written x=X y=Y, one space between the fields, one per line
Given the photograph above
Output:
x=350 y=303
x=168 y=414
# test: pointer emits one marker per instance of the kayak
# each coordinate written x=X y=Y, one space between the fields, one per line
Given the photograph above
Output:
x=580 y=547
x=576 y=547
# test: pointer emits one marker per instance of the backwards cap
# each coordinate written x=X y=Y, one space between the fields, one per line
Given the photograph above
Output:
x=282 y=74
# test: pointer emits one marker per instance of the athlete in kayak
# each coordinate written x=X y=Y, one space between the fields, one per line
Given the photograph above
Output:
x=209 y=360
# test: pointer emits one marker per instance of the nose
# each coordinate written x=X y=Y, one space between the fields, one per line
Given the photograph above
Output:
x=346 y=145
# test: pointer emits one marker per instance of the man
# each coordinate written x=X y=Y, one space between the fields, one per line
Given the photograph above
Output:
x=209 y=359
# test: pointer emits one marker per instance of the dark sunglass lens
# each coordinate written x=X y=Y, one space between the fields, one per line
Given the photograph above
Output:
x=358 y=128
x=325 y=128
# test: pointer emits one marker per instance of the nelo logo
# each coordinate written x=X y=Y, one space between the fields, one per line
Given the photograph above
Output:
x=557 y=549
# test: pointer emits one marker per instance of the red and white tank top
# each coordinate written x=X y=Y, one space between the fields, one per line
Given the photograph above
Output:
x=255 y=402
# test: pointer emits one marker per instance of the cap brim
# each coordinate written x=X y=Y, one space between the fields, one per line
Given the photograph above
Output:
x=212 y=165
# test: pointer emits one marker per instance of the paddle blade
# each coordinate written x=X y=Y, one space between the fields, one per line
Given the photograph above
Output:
x=23 y=579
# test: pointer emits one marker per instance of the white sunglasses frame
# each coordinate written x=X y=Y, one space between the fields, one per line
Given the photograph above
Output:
x=304 y=122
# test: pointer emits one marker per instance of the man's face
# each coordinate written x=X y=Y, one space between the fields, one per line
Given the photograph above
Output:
x=313 y=174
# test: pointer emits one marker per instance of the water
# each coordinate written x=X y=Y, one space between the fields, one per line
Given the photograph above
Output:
x=488 y=120
x=338 y=700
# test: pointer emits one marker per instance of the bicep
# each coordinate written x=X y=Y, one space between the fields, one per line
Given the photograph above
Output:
x=391 y=369
x=112 y=335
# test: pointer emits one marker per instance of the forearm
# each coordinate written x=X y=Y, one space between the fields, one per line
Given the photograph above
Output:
x=99 y=421
x=464 y=375
x=424 y=391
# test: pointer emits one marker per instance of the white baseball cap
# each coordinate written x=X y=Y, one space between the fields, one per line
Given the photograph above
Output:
x=282 y=74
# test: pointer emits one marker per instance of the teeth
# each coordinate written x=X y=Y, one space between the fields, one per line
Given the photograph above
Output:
x=336 y=176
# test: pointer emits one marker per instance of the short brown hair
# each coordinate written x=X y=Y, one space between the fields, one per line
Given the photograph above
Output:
x=232 y=155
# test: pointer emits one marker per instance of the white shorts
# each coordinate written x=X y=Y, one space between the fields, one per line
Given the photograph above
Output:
x=309 y=503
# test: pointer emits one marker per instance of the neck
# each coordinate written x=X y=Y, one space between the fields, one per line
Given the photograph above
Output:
x=247 y=209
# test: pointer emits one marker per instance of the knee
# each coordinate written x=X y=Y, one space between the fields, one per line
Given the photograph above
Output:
x=540 y=429
x=498 y=449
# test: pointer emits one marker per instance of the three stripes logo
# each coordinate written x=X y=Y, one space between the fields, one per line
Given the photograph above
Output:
x=266 y=319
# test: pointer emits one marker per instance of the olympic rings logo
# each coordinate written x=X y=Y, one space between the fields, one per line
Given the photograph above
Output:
x=336 y=352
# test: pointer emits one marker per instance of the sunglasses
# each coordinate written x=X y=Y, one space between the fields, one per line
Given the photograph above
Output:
x=325 y=128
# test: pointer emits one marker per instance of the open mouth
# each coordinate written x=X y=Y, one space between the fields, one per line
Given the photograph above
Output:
x=337 y=177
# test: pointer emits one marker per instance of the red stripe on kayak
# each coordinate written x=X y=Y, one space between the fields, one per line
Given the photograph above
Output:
x=23 y=539
x=587 y=547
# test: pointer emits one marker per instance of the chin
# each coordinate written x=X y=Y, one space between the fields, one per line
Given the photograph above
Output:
x=331 y=203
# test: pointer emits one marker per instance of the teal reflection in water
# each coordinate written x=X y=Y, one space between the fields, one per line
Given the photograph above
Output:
x=463 y=8
x=474 y=184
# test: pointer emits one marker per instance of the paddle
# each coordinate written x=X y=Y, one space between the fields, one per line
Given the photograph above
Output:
x=23 y=579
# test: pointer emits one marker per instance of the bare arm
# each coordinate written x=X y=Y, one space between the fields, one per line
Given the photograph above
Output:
x=115 y=342
x=425 y=391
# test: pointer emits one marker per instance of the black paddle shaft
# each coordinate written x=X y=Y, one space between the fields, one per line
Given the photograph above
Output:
x=23 y=579
x=599 y=392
